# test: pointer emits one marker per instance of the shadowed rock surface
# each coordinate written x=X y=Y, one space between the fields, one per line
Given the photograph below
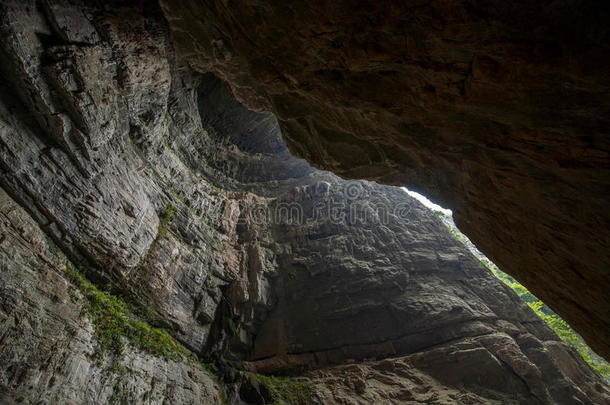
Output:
x=499 y=110
x=388 y=280
x=165 y=189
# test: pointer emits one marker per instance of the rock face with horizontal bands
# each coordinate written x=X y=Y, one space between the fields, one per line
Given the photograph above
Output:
x=160 y=184
x=378 y=277
x=498 y=109
x=47 y=345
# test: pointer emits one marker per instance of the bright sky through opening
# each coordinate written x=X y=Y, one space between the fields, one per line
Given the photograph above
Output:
x=427 y=202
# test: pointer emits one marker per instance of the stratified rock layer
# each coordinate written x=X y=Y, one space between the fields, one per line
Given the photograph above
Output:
x=500 y=110
x=167 y=190
x=47 y=344
x=378 y=276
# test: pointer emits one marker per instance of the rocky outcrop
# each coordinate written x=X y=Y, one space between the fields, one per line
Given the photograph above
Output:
x=497 y=109
x=397 y=381
x=47 y=343
x=378 y=276
x=88 y=151
x=173 y=195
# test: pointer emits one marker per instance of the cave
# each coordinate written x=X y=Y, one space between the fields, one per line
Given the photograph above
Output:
x=204 y=202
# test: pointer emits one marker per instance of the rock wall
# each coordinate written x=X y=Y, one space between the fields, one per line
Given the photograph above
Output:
x=499 y=110
x=47 y=343
x=379 y=276
x=170 y=193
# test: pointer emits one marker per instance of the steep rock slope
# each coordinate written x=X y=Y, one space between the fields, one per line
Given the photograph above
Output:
x=367 y=274
x=47 y=343
x=500 y=110
x=166 y=189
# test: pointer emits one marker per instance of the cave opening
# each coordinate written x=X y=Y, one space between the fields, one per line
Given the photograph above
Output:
x=159 y=243
x=550 y=318
x=266 y=166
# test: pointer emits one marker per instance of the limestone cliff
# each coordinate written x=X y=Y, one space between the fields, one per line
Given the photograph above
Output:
x=162 y=188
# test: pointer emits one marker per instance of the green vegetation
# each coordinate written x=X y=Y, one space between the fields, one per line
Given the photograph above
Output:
x=456 y=234
x=114 y=324
x=178 y=195
x=233 y=327
x=284 y=391
x=165 y=219
x=209 y=368
x=554 y=321
x=454 y=231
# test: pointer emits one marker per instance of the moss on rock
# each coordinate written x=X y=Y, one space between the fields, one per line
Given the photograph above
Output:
x=115 y=324
x=285 y=391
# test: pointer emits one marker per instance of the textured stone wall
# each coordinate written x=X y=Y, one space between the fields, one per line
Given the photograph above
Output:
x=172 y=194
x=47 y=344
x=498 y=110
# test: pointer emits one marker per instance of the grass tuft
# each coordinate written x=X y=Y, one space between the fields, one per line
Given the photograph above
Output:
x=285 y=391
x=165 y=219
x=114 y=324
x=555 y=322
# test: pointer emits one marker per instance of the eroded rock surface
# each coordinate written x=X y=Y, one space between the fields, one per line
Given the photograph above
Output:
x=47 y=345
x=500 y=110
x=387 y=280
x=165 y=188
